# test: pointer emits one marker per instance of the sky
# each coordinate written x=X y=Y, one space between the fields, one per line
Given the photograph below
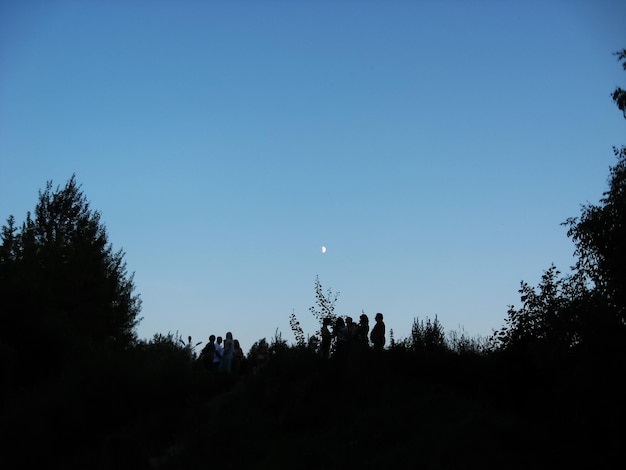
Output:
x=433 y=147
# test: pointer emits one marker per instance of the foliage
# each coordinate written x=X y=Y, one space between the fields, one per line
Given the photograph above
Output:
x=428 y=336
x=189 y=346
x=599 y=235
x=473 y=413
x=313 y=343
x=258 y=353
x=61 y=284
x=325 y=303
x=278 y=344
x=619 y=95
x=170 y=345
x=584 y=311
x=259 y=346
x=600 y=232
x=600 y=238
x=543 y=321
x=297 y=330
x=461 y=343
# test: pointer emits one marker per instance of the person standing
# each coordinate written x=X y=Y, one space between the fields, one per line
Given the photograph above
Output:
x=227 y=356
x=219 y=352
x=238 y=358
x=326 y=338
x=340 y=332
x=352 y=329
x=208 y=353
x=377 y=336
x=363 y=330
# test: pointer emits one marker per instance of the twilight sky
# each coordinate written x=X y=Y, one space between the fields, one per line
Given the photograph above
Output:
x=434 y=148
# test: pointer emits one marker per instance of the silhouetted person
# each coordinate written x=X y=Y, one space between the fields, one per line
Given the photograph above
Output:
x=219 y=352
x=208 y=353
x=227 y=356
x=377 y=336
x=363 y=330
x=238 y=357
x=326 y=338
x=341 y=335
x=352 y=327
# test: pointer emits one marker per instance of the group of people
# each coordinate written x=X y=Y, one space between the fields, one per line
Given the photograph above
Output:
x=223 y=355
x=347 y=332
x=226 y=355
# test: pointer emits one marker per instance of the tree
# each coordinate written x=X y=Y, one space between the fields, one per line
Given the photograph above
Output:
x=586 y=310
x=297 y=330
x=545 y=324
x=62 y=287
x=325 y=303
x=600 y=238
x=427 y=336
x=600 y=232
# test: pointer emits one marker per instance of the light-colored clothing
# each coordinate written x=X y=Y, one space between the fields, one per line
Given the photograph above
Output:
x=219 y=352
x=227 y=357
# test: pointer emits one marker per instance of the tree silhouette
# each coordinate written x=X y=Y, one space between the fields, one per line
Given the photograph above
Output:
x=427 y=336
x=62 y=287
x=325 y=303
x=600 y=237
x=586 y=310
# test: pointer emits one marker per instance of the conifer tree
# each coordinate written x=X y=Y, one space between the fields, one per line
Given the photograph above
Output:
x=62 y=286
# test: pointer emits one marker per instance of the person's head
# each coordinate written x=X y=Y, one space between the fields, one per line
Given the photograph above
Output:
x=326 y=321
x=236 y=343
x=229 y=335
x=348 y=321
x=219 y=340
x=363 y=318
x=212 y=338
x=339 y=323
x=378 y=317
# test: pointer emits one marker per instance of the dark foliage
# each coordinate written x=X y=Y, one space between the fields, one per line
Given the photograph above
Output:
x=62 y=287
x=584 y=313
x=325 y=304
x=426 y=336
x=619 y=95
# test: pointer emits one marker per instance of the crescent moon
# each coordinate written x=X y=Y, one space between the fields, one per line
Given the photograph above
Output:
x=323 y=249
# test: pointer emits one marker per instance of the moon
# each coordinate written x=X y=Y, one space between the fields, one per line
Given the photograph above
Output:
x=323 y=249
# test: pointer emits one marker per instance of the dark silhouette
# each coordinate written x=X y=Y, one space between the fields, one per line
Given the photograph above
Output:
x=238 y=358
x=208 y=353
x=377 y=336
x=62 y=284
x=619 y=95
x=427 y=336
x=326 y=338
x=363 y=330
x=297 y=330
x=352 y=329
x=260 y=355
x=583 y=313
x=340 y=332
x=227 y=356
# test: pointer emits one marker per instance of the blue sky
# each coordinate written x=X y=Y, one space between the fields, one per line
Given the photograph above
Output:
x=433 y=147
